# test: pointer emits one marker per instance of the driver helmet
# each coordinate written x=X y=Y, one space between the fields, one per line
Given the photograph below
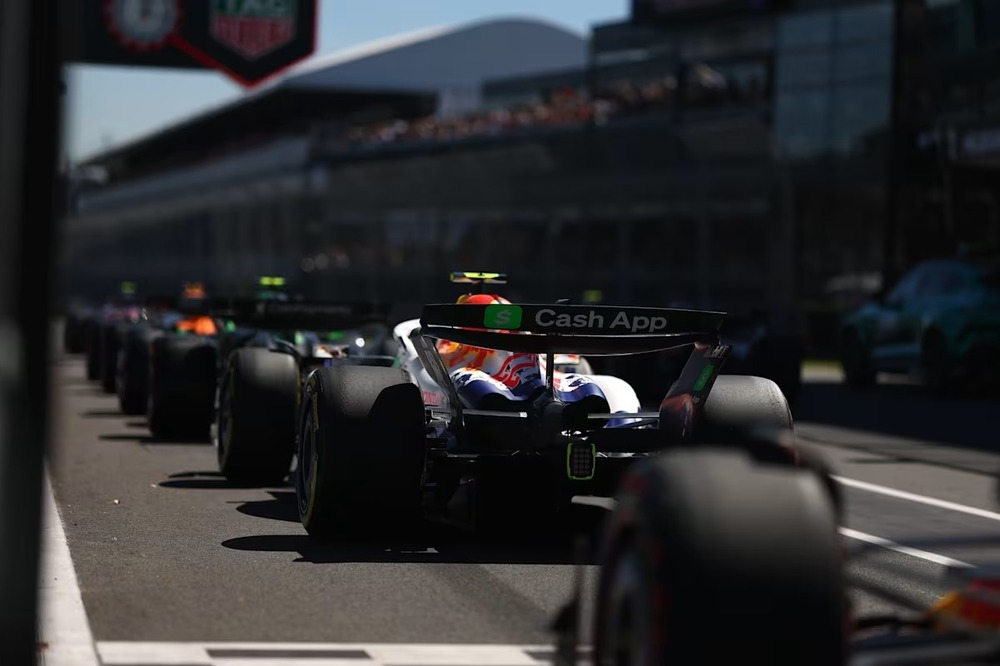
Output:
x=450 y=351
x=482 y=299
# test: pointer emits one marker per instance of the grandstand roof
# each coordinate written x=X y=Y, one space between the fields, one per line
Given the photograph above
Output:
x=428 y=61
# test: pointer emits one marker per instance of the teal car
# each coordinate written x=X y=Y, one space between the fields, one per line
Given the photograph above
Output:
x=941 y=322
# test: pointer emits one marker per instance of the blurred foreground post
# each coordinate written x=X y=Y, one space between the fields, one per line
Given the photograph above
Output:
x=30 y=122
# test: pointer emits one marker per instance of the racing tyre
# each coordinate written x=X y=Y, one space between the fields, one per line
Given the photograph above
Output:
x=111 y=337
x=752 y=413
x=360 y=452
x=743 y=408
x=181 y=387
x=94 y=336
x=255 y=438
x=711 y=558
x=133 y=371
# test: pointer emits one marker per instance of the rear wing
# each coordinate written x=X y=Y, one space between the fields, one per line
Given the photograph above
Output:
x=578 y=329
x=303 y=315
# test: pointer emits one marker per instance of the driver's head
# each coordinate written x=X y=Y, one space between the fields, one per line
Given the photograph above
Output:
x=482 y=299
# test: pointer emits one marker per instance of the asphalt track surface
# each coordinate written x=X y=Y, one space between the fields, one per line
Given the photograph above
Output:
x=166 y=551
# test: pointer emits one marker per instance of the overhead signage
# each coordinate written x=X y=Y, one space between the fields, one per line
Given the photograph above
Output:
x=249 y=41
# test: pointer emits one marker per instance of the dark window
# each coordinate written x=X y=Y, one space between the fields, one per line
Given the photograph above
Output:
x=863 y=61
x=801 y=123
x=860 y=113
x=806 y=30
x=804 y=69
x=864 y=22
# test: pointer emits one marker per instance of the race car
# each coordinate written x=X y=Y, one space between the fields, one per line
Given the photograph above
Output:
x=102 y=334
x=262 y=363
x=474 y=406
x=174 y=319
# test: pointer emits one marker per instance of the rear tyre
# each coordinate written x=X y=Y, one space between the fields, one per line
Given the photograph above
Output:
x=361 y=441
x=743 y=408
x=181 y=388
x=752 y=413
x=133 y=371
x=257 y=416
x=111 y=339
x=703 y=539
x=93 y=336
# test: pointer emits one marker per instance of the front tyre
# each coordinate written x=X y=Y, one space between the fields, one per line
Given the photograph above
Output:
x=361 y=443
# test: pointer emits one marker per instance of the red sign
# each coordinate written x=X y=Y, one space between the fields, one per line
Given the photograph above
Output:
x=253 y=28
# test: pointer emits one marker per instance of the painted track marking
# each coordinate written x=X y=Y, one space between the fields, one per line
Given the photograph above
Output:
x=928 y=556
x=920 y=499
x=62 y=623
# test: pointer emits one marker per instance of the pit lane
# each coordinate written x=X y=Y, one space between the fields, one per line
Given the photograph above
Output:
x=166 y=550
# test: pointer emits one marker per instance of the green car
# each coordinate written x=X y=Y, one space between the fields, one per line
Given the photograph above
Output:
x=941 y=322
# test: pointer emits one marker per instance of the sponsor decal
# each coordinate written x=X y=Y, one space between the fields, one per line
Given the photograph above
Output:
x=253 y=28
x=503 y=316
x=621 y=322
x=431 y=398
x=142 y=25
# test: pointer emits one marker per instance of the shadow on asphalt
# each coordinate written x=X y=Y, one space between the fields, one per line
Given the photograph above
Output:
x=204 y=481
x=559 y=543
x=281 y=507
x=441 y=545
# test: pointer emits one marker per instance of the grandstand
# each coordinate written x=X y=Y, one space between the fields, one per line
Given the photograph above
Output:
x=678 y=162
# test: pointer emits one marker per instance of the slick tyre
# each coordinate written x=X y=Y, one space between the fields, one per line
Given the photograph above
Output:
x=257 y=416
x=93 y=336
x=181 y=388
x=361 y=444
x=111 y=341
x=752 y=414
x=739 y=408
x=133 y=370
x=707 y=540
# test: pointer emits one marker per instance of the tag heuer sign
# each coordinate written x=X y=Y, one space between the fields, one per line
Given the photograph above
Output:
x=142 y=25
x=253 y=28
x=250 y=41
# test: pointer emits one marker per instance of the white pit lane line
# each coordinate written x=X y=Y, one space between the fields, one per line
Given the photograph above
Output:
x=64 y=632
x=928 y=556
x=919 y=499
